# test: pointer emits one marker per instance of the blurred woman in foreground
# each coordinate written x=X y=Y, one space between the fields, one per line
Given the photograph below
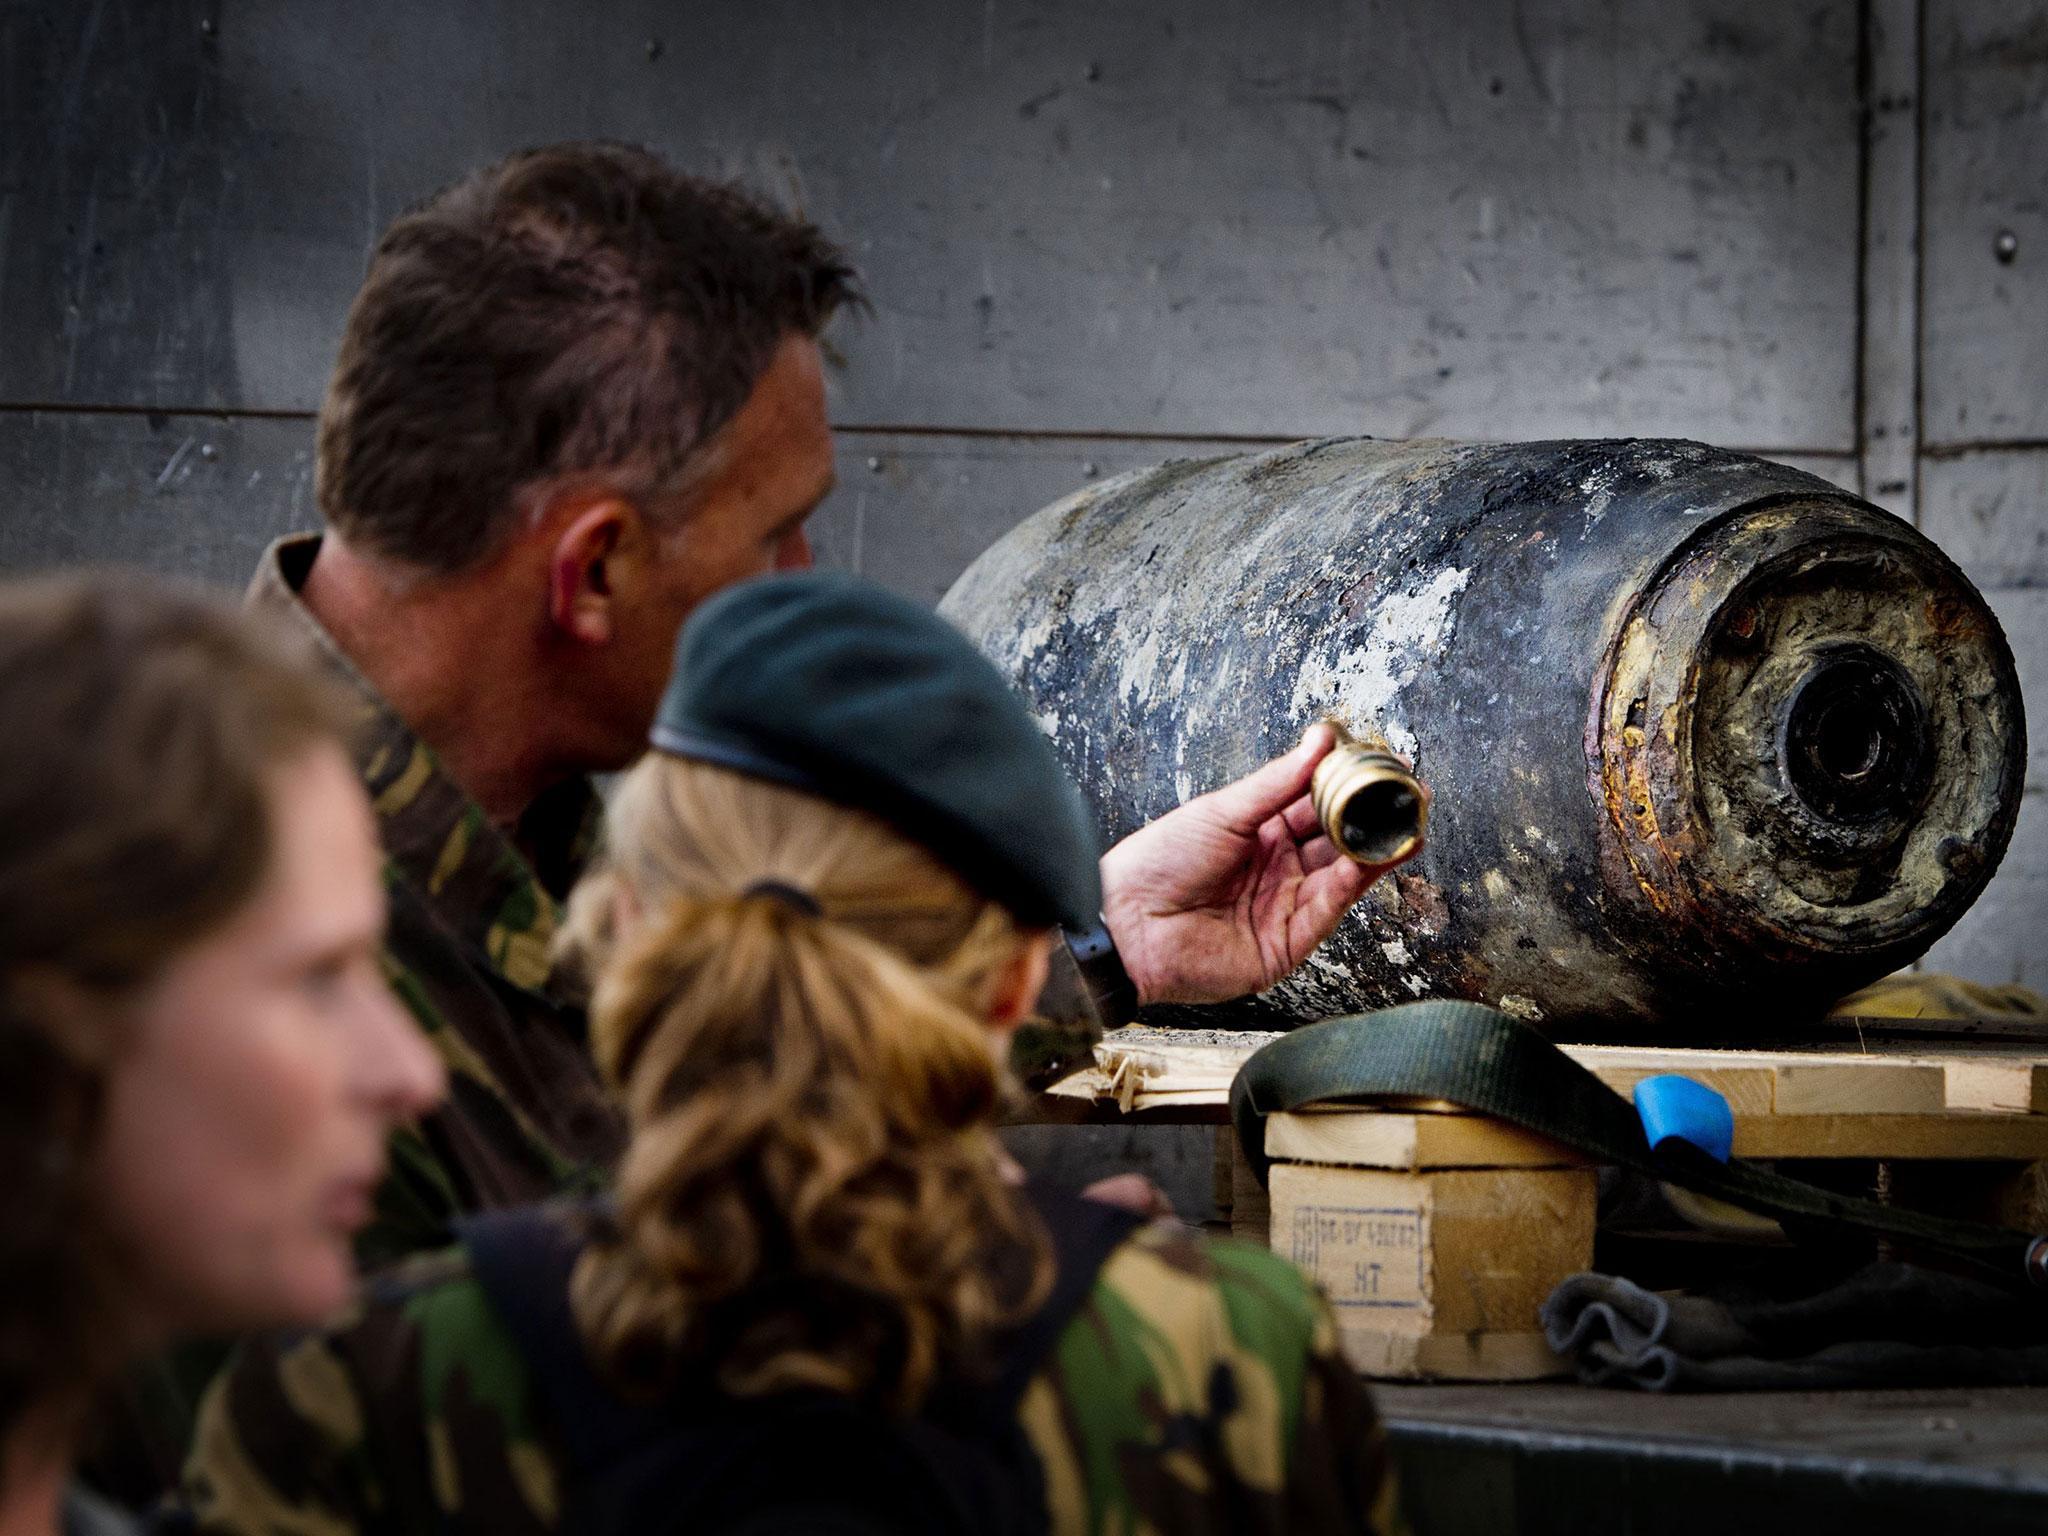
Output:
x=199 y=1060
x=819 y=1302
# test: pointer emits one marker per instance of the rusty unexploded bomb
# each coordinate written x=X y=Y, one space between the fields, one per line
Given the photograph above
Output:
x=1711 y=741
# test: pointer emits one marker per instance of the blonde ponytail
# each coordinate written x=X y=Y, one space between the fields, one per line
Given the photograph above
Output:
x=813 y=1193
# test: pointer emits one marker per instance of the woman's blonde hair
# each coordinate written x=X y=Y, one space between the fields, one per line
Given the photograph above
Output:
x=812 y=1195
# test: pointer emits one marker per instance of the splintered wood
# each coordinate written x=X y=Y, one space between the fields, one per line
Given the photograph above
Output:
x=1152 y=1069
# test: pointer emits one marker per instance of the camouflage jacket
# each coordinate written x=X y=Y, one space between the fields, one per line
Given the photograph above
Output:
x=1199 y=1389
x=471 y=918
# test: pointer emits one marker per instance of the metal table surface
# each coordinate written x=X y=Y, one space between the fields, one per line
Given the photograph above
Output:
x=1557 y=1457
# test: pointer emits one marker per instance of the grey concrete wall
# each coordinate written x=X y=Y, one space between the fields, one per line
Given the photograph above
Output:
x=1098 y=235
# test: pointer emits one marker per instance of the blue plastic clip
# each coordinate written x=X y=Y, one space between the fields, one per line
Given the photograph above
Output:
x=1690 y=1111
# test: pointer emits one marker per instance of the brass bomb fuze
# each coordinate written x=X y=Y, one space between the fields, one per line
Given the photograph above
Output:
x=1373 y=808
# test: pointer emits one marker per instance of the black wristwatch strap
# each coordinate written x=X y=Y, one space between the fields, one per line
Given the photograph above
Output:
x=1109 y=985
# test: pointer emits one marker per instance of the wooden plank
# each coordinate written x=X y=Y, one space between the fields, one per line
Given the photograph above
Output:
x=1958 y=1134
x=1409 y=1141
x=1778 y=1082
x=1418 y=1141
x=1140 y=1069
x=2010 y=1085
x=1150 y=1069
x=1849 y=1085
x=1748 y=1090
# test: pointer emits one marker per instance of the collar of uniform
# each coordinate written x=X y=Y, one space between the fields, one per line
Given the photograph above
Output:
x=436 y=838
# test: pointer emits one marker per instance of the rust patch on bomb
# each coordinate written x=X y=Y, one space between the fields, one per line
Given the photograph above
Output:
x=1424 y=910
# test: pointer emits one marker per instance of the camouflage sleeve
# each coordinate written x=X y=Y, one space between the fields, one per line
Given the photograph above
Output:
x=417 y=1204
x=1339 y=1475
x=1201 y=1390
x=281 y=1446
x=412 y=1415
x=476 y=1152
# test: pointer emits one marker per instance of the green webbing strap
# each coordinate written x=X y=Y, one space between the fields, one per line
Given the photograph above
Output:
x=1480 y=1058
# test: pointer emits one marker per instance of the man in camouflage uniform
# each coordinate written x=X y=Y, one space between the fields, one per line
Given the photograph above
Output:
x=471 y=918
x=577 y=393
x=1200 y=1389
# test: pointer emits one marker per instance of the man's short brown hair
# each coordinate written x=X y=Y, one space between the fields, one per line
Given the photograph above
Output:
x=574 y=308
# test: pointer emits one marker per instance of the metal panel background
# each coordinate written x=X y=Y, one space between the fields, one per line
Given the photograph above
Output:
x=1986 y=508
x=1298 y=217
x=1097 y=236
x=1986 y=305
x=196 y=496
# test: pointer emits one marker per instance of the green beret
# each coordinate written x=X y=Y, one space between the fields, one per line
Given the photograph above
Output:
x=837 y=687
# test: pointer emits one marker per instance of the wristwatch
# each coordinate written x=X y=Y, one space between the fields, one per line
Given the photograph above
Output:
x=1108 y=984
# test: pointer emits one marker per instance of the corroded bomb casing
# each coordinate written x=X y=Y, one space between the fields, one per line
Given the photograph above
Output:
x=1709 y=739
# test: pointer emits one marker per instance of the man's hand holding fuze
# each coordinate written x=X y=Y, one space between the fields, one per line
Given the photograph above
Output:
x=1230 y=892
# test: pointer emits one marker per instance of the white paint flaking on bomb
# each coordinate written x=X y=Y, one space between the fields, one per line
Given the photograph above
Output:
x=1033 y=638
x=1599 y=496
x=1137 y=666
x=1177 y=679
x=1408 y=631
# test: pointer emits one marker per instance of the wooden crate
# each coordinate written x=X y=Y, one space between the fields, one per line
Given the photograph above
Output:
x=1438 y=1272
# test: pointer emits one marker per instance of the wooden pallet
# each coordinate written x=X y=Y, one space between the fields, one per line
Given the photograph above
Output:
x=1436 y=1232
x=1887 y=1103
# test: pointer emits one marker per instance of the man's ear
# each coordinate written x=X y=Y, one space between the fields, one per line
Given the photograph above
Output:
x=583 y=568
